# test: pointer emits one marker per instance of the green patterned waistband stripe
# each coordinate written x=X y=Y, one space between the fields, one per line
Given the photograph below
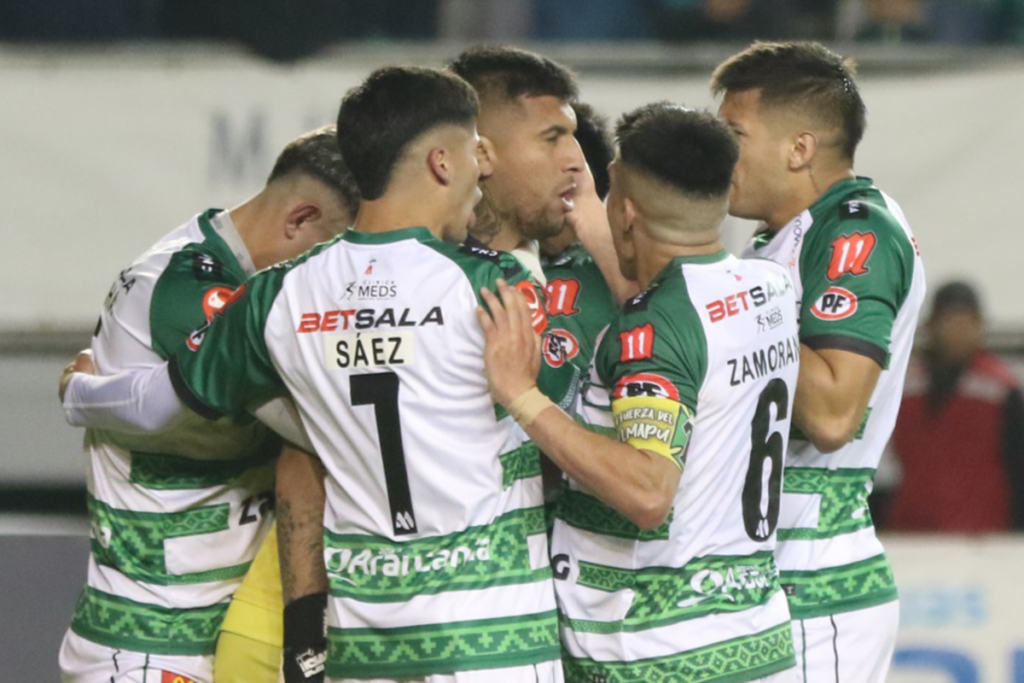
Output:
x=133 y=542
x=376 y=569
x=163 y=472
x=586 y=512
x=844 y=501
x=522 y=463
x=419 y=651
x=667 y=595
x=732 y=661
x=839 y=589
x=118 y=622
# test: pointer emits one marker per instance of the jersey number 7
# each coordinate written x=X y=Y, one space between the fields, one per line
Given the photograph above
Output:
x=381 y=391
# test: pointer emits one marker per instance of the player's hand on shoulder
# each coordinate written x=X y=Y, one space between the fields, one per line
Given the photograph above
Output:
x=512 y=346
x=82 y=363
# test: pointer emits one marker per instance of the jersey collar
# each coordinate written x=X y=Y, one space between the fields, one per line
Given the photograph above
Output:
x=217 y=227
x=418 y=233
x=840 y=189
x=719 y=255
x=704 y=259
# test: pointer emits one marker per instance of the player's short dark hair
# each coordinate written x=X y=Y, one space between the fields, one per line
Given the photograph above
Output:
x=803 y=74
x=596 y=143
x=956 y=296
x=316 y=154
x=693 y=151
x=394 y=106
x=510 y=73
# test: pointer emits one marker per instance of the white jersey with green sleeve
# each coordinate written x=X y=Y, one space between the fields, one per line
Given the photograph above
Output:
x=176 y=518
x=701 y=367
x=860 y=285
x=434 y=531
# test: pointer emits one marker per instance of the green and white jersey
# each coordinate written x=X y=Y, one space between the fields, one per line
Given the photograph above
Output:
x=700 y=367
x=176 y=518
x=434 y=532
x=579 y=306
x=860 y=285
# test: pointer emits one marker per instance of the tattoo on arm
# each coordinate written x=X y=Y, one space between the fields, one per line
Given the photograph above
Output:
x=300 y=511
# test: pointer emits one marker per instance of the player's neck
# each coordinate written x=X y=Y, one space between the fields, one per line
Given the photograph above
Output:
x=813 y=184
x=388 y=214
x=653 y=256
x=252 y=219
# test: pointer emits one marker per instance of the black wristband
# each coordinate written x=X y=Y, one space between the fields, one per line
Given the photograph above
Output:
x=305 y=639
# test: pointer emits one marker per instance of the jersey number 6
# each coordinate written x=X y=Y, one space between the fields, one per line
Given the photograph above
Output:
x=763 y=486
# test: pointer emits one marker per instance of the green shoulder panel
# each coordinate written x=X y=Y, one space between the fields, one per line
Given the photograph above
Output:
x=224 y=366
x=194 y=286
x=856 y=268
x=483 y=267
x=657 y=345
x=579 y=306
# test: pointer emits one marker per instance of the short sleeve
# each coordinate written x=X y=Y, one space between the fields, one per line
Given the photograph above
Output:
x=855 y=281
x=224 y=366
x=654 y=360
x=192 y=288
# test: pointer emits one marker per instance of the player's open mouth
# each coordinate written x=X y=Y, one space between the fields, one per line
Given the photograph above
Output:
x=568 y=199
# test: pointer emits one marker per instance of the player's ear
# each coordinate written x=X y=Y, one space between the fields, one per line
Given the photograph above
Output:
x=440 y=164
x=299 y=215
x=629 y=214
x=487 y=156
x=805 y=146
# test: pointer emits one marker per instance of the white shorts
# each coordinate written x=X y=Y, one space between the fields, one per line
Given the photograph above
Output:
x=83 y=661
x=547 y=672
x=851 y=647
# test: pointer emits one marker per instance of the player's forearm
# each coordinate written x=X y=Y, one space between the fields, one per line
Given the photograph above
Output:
x=300 y=513
x=829 y=405
x=596 y=237
x=630 y=480
x=136 y=402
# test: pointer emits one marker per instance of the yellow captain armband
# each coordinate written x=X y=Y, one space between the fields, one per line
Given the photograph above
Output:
x=654 y=423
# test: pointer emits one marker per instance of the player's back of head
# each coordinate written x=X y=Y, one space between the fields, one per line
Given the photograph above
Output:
x=504 y=74
x=316 y=154
x=676 y=165
x=393 y=107
x=800 y=76
x=596 y=143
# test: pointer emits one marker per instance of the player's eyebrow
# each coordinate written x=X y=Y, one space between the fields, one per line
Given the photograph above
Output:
x=557 y=128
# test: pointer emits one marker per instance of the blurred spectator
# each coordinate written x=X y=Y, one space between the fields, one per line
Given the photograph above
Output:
x=1008 y=22
x=959 y=440
x=591 y=20
x=79 y=20
x=695 y=20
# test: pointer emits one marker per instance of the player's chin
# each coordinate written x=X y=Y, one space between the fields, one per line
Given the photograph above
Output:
x=542 y=230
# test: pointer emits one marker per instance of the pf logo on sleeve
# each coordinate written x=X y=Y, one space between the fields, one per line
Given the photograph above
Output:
x=836 y=303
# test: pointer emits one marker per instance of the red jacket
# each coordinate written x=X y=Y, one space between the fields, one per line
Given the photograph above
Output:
x=960 y=465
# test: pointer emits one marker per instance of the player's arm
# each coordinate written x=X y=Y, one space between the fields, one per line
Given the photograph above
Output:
x=852 y=293
x=639 y=483
x=139 y=401
x=832 y=394
x=589 y=219
x=300 y=513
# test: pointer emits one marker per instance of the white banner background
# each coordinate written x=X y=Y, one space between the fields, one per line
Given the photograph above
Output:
x=101 y=154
